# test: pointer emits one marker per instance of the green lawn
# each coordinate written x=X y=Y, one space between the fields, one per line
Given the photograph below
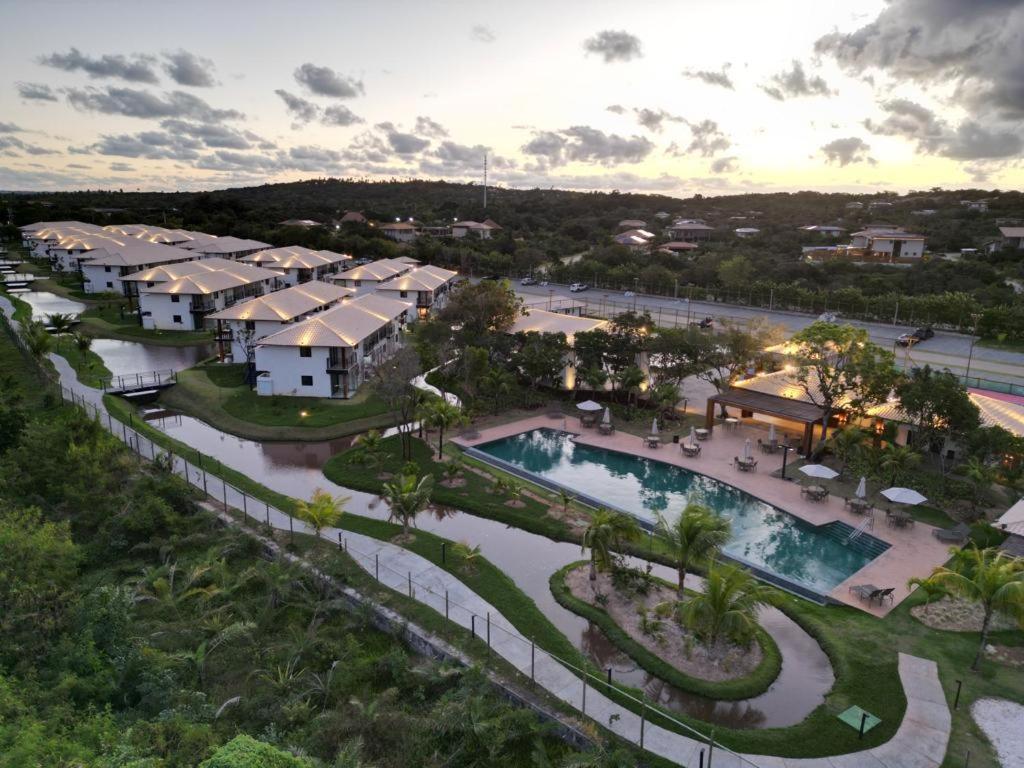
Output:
x=218 y=395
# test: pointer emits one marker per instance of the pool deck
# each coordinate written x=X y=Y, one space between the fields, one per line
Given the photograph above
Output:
x=913 y=551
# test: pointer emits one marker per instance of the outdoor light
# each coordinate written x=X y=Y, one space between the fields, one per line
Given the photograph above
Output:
x=303 y=414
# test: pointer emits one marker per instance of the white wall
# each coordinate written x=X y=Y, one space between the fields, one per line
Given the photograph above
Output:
x=285 y=369
x=262 y=328
x=159 y=309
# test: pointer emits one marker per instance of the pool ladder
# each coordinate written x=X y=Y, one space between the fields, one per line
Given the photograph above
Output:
x=866 y=523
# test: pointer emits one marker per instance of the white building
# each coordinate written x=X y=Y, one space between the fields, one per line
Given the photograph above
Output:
x=824 y=230
x=542 y=321
x=426 y=287
x=226 y=247
x=481 y=229
x=689 y=231
x=298 y=264
x=401 y=231
x=241 y=325
x=103 y=271
x=367 y=277
x=332 y=353
x=182 y=304
x=1010 y=237
x=42 y=238
x=747 y=232
x=154 y=234
x=887 y=245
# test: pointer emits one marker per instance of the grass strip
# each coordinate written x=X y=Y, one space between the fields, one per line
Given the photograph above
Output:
x=746 y=687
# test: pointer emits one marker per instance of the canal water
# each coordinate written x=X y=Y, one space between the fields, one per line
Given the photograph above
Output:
x=44 y=303
x=294 y=469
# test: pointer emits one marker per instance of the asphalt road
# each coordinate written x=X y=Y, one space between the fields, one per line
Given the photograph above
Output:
x=944 y=350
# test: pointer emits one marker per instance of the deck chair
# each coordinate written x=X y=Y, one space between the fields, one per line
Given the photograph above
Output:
x=867 y=592
x=887 y=593
x=956 y=535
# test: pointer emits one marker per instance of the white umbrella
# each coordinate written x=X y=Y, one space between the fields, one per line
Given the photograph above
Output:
x=747 y=453
x=862 y=488
x=903 y=495
x=693 y=435
x=589 y=405
x=654 y=427
x=771 y=433
x=607 y=418
x=819 y=470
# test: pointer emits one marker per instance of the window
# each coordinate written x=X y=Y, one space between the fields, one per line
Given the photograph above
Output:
x=305 y=351
x=250 y=325
x=150 y=285
x=106 y=269
x=307 y=381
x=109 y=284
x=175 y=298
x=404 y=294
x=177 y=319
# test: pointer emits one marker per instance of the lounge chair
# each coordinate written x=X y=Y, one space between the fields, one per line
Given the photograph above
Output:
x=956 y=535
x=887 y=593
x=867 y=592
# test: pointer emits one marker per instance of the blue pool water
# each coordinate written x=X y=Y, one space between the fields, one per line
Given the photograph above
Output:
x=814 y=557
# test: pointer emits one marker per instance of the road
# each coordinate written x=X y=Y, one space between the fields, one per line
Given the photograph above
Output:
x=945 y=350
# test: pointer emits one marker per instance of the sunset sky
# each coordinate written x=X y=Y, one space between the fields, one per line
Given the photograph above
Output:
x=710 y=96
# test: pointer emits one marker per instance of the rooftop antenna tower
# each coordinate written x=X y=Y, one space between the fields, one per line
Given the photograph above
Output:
x=485 y=181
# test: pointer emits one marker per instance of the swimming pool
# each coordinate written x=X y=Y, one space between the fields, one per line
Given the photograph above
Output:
x=816 y=558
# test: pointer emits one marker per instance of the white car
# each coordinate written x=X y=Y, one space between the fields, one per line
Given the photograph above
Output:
x=629 y=294
x=577 y=287
x=828 y=317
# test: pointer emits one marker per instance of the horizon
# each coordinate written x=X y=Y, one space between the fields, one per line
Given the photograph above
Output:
x=888 y=96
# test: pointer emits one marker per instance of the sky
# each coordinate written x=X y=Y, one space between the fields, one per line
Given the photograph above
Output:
x=703 y=96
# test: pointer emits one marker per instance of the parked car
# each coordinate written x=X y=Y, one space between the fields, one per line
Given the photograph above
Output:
x=491 y=277
x=915 y=337
x=629 y=294
x=828 y=317
x=578 y=287
x=528 y=281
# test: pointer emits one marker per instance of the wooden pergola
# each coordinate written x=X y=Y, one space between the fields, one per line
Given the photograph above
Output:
x=750 y=402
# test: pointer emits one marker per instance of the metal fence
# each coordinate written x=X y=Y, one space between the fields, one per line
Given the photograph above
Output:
x=631 y=720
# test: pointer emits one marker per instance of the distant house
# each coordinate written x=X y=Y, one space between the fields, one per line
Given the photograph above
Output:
x=1010 y=237
x=306 y=223
x=747 y=232
x=876 y=204
x=690 y=231
x=662 y=215
x=924 y=212
x=241 y=325
x=333 y=352
x=182 y=304
x=352 y=217
x=298 y=264
x=678 y=246
x=481 y=229
x=975 y=205
x=400 y=231
x=823 y=230
x=426 y=287
x=226 y=247
x=542 y=321
x=854 y=206
x=367 y=277
x=885 y=245
x=635 y=239
x=632 y=224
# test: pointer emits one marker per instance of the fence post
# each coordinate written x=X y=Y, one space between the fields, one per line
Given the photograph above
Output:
x=245 y=510
x=446 y=604
x=711 y=746
x=224 y=490
x=204 y=483
x=472 y=625
x=265 y=502
x=291 y=529
x=340 y=544
x=376 y=565
x=488 y=633
x=533 y=659
x=583 y=705
x=643 y=719
x=410 y=583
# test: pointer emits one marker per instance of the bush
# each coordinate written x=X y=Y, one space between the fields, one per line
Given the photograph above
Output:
x=245 y=752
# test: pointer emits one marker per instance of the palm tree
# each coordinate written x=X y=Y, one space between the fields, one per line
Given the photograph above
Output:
x=566 y=499
x=631 y=379
x=452 y=470
x=847 y=443
x=497 y=383
x=594 y=378
x=981 y=476
x=37 y=339
x=898 y=460
x=321 y=511
x=695 y=536
x=665 y=395
x=441 y=414
x=373 y=447
x=727 y=607
x=992 y=578
x=60 y=322
x=82 y=341
x=607 y=530
x=407 y=497
x=201 y=655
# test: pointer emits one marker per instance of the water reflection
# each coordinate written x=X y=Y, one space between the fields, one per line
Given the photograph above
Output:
x=529 y=560
x=125 y=357
x=44 y=303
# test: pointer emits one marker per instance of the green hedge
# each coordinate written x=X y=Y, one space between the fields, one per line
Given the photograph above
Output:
x=731 y=690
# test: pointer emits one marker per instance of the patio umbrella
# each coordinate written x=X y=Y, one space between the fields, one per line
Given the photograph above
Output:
x=819 y=470
x=654 y=427
x=693 y=435
x=903 y=495
x=771 y=433
x=589 y=405
x=862 y=488
x=747 y=453
x=607 y=418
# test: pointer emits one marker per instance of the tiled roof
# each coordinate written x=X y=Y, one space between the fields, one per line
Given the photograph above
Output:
x=286 y=304
x=427 y=278
x=204 y=283
x=344 y=325
x=375 y=270
x=543 y=321
x=294 y=257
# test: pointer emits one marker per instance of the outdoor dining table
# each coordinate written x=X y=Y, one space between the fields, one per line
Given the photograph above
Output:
x=859 y=505
x=746 y=464
x=898 y=518
x=605 y=429
x=690 y=449
x=653 y=441
x=816 y=492
x=702 y=434
x=731 y=422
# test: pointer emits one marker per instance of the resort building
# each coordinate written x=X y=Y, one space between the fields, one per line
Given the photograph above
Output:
x=426 y=287
x=331 y=353
x=226 y=247
x=297 y=264
x=690 y=231
x=479 y=229
x=400 y=231
x=154 y=234
x=635 y=239
x=103 y=271
x=41 y=237
x=366 y=277
x=886 y=245
x=182 y=304
x=677 y=246
x=543 y=321
x=823 y=230
x=242 y=325
x=1010 y=237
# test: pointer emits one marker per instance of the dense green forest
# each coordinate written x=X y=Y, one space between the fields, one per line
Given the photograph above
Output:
x=136 y=630
x=541 y=227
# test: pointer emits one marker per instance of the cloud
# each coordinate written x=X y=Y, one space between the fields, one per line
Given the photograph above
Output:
x=186 y=68
x=300 y=109
x=137 y=69
x=212 y=135
x=724 y=165
x=453 y=159
x=720 y=79
x=123 y=167
x=847 y=151
x=340 y=115
x=614 y=45
x=584 y=144
x=652 y=119
x=975 y=47
x=427 y=127
x=324 y=81
x=152 y=145
x=133 y=103
x=402 y=143
x=618 y=109
x=707 y=139
x=10 y=128
x=12 y=146
x=36 y=92
x=78 y=166
x=482 y=34
x=968 y=141
x=795 y=83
